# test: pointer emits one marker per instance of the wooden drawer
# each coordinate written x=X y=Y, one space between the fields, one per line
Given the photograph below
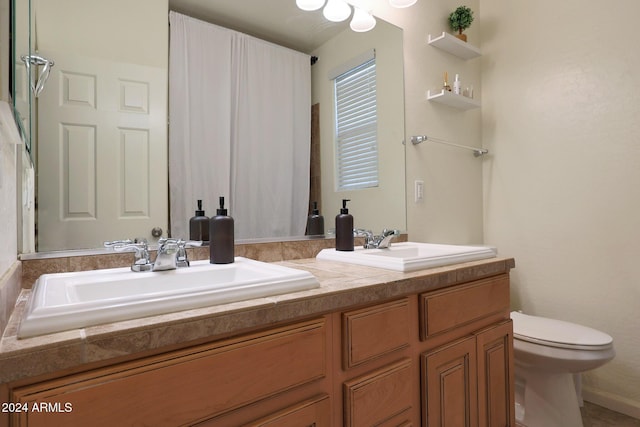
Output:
x=314 y=412
x=475 y=305
x=374 y=331
x=379 y=396
x=188 y=385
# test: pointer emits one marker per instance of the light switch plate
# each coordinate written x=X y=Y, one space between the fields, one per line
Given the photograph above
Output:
x=419 y=191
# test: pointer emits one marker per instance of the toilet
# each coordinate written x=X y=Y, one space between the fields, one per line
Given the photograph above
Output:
x=548 y=355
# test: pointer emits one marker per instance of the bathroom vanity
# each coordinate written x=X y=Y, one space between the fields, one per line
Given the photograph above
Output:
x=369 y=347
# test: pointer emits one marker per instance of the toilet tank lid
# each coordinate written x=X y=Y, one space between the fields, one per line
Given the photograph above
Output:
x=557 y=331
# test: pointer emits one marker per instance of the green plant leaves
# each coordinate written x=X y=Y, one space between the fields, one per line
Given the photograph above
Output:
x=461 y=18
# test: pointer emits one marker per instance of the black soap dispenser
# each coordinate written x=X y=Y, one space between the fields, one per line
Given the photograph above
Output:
x=199 y=225
x=315 y=222
x=344 y=229
x=221 y=229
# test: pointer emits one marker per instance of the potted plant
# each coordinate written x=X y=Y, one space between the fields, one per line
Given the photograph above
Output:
x=461 y=19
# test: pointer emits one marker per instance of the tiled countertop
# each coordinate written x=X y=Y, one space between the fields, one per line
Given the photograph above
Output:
x=341 y=286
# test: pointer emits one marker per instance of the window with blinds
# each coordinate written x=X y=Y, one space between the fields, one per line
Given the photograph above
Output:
x=357 y=127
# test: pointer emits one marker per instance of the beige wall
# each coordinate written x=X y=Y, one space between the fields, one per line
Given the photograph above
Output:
x=561 y=191
x=145 y=23
x=452 y=208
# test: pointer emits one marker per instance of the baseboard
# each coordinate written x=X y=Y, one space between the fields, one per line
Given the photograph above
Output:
x=611 y=401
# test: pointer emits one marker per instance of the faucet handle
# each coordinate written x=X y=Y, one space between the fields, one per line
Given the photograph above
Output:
x=164 y=241
x=369 y=238
x=181 y=257
x=141 y=249
x=117 y=243
x=361 y=232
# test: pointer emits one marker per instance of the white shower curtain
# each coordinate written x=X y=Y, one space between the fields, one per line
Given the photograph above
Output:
x=239 y=127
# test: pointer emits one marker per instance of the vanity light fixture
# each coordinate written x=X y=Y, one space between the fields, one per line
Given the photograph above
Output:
x=339 y=10
x=362 y=21
x=402 y=3
x=309 y=5
x=336 y=10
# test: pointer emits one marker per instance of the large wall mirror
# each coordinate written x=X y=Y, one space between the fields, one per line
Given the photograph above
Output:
x=87 y=38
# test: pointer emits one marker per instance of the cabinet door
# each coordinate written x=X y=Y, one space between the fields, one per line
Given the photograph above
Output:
x=449 y=385
x=495 y=376
x=314 y=412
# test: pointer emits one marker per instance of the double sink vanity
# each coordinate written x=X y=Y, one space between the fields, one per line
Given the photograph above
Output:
x=415 y=334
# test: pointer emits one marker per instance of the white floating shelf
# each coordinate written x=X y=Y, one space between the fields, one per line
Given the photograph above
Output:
x=452 y=100
x=455 y=46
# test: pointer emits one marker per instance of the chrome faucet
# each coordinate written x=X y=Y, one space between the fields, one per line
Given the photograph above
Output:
x=171 y=254
x=167 y=255
x=141 y=248
x=381 y=241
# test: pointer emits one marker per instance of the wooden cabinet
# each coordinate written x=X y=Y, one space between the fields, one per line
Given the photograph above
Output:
x=185 y=386
x=313 y=412
x=440 y=358
x=470 y=382
x=449 y=381
x=378 y=375
x=379 y=397
x=375 y=331
x=467 y=371
x=496 y=376
x=461 y=310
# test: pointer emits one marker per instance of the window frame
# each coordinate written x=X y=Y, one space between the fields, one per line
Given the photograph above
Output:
x=356 y=127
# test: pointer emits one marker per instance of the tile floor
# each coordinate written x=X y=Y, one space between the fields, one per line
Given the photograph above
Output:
x=597 y=416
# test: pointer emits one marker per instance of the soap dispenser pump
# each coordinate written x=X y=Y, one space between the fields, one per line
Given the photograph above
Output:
x=344 y=229
x=199 y=225
x=221 y=235
x=315 y=222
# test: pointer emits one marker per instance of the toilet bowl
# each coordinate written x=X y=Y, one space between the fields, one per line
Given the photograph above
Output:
x=548 y=353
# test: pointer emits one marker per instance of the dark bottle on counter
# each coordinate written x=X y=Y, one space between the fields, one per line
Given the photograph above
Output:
x=315 y=222
x=199 y=225
x=344 y=229
x=221 y=237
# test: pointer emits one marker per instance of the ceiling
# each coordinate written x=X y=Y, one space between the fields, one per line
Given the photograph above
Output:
x=277 y=21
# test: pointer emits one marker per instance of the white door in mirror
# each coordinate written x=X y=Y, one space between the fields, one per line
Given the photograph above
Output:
x=103 y=152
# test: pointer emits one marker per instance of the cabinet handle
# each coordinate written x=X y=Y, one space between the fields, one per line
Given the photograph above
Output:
x=312 y=425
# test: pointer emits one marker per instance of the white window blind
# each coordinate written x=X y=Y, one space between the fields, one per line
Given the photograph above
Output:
x=357 y=127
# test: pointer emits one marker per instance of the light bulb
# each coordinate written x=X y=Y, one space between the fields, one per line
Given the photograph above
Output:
x=309 y=4
x=402 y=3
x=362 y=21
x=336 y=10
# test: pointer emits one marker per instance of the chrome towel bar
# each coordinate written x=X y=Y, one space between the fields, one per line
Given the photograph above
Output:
x=477 y=152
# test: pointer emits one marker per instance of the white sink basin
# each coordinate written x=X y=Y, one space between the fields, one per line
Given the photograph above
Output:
x=409 y=256
x=66 y=301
